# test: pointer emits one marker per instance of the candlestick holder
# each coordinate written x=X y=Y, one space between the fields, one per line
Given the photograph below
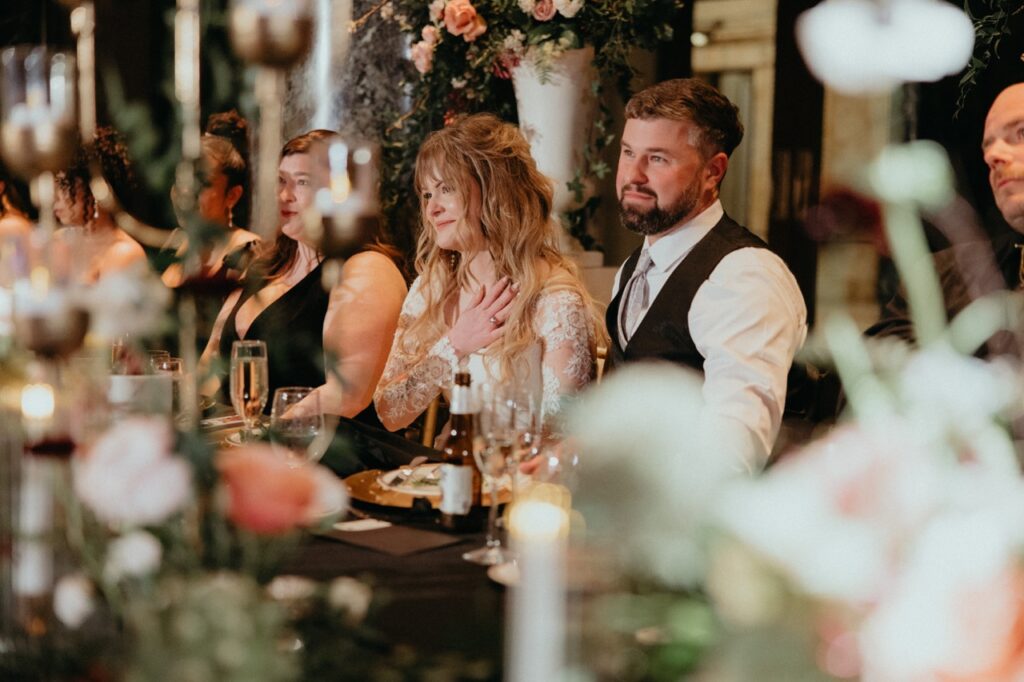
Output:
x=271 y=35
x=348 y=210
x=38 y=124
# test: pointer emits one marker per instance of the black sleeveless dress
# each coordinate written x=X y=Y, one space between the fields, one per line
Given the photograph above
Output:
x=292 y=327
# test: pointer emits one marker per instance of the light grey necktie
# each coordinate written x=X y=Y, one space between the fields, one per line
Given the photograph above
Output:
x=635 y=297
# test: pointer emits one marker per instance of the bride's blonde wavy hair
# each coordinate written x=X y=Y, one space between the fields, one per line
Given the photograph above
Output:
x=518 y=231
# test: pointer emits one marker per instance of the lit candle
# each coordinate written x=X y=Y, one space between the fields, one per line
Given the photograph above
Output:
x=37 y=407
x=535 y=649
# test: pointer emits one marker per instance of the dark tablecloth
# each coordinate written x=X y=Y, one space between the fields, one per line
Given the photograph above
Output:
x=434 y=600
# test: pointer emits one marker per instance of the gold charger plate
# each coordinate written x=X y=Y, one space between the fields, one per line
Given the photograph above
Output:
x=366 y=487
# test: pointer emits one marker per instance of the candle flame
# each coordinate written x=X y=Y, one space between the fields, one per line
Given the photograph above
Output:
x=533 y=520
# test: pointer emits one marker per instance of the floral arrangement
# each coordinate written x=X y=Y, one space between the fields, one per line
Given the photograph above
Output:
x=464 y=51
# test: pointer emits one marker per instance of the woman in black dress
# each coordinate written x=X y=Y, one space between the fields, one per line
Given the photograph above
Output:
x=335 y=339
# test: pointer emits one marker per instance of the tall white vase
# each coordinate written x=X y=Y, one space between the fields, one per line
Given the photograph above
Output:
x=556 y=113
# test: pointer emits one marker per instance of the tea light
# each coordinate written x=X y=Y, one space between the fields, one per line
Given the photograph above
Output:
x=37 y=407
x=536 y=647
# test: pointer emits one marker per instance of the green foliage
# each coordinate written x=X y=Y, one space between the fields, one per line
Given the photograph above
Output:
x=991 y=26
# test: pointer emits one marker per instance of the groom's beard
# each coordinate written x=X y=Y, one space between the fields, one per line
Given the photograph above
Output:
x=657 y=219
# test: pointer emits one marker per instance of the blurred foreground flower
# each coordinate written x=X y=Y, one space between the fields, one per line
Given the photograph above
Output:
x=131 y=477
x=128 y=302
x=74 y=600
x=865 y=46
x=268 y=494
x=136 y=554
x=650 y=468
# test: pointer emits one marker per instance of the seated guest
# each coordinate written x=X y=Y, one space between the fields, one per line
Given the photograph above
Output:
x=702 y=291
x=973 y=268
x=224 y=197
x=493 y=292
x=346 y=330
x=14 y=221
x=99 y=245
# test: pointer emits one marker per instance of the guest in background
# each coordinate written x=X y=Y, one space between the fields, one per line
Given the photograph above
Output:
x=702 y=291
x=225 y=197
x=99 y=245
x=346 y=329
x=974 y=267
x=14 y=220
x=493 y=291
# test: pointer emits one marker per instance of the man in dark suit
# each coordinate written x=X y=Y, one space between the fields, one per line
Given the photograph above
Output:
x=974 y=268
x=702 y=291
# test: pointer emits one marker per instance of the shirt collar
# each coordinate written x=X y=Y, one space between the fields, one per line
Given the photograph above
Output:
x=678 y=241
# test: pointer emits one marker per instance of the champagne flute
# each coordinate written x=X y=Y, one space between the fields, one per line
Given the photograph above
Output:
x=295 y=427
x=498 y=432
x=250 y=383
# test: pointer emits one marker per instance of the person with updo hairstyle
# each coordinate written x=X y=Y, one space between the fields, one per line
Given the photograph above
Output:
x=333 y=338
x=494 y=293
x=99 y=245
x=224 y=199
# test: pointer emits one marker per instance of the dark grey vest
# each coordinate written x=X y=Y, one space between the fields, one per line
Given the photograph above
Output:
x=664 y=333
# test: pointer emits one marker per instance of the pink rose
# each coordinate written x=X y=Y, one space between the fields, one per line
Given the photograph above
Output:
x=131 y=476
x=423 y=56
x=461 y=19
x=544 y=10
x=266 y=494
x=429 y=34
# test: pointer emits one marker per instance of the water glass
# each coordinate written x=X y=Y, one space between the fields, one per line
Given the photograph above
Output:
x=250 y=383
x=173 y=367
x=296 y=422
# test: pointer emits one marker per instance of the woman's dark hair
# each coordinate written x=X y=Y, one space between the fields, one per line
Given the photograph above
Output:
x=110 y=152
x=275 y=260
x=226 y=143
x=12 y=193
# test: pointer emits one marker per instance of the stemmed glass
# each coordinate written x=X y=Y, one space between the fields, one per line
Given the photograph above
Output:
x=250 y=383
x=296 y=428
x=38 y=119
x=497 y=425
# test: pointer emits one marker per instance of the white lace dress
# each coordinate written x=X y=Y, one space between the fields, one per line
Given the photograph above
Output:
x=559 y=363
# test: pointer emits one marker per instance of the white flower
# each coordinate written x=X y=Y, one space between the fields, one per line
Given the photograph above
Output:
x=130 y=476
x=136 y=554
x=291 y=588
x=514 y=42
x=861 y=46
x=568 y=8
x=649 y=474
x=387 y=11
x=351 y=596
x=527 y=6
x=458 y=83
x=832 y=516
x=73 y=600
x=955 y=609
x=436 y=9
x=131 y=302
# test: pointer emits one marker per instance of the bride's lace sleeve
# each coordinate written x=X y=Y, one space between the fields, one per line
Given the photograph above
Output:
x=565 y=328
x=407 y=386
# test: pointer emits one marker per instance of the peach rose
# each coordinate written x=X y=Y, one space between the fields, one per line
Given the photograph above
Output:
x=461 y=19
x=544 y=10
x=422 y=56
x=266 y=494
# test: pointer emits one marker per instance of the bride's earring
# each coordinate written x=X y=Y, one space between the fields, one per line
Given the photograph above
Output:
x=231 y=217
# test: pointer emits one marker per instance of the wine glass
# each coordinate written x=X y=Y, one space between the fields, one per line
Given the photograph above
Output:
x=250 y=383
x=497 y=422
x=296 y=427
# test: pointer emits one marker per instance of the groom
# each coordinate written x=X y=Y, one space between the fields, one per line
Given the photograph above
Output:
x=701 y=291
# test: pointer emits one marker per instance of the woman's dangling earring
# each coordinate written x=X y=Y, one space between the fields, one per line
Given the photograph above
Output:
x=231 y=216
x=95 y=210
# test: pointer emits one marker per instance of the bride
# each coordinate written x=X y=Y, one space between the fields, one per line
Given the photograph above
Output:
x=494 y=293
